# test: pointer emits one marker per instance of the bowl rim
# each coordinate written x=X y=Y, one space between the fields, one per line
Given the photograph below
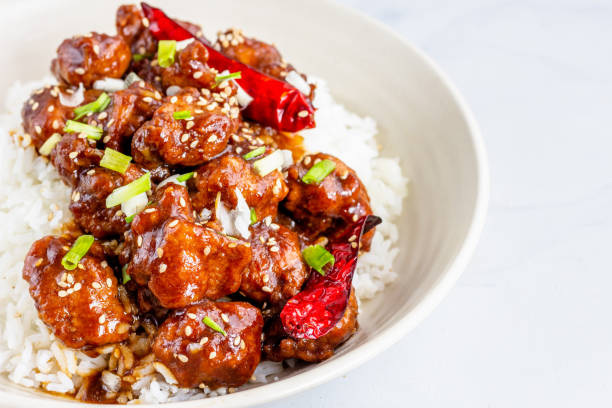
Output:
x=390 y=335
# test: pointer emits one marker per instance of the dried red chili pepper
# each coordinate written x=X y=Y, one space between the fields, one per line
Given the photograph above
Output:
x=314 y=311
x=275 y=103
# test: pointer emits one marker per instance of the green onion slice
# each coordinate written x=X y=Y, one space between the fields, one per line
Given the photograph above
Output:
x=254 y=153
x=115 y=160
x=130 y=218
x=253 y=216
x=96 y=106
x=131 y=78
x=78 y=251
x=184 y=114
x=122 y=194
x=49 y=144
x=224 y=77
x=92 y=132
x=269 y=163
x=166 y=50
x=124 y=274
x=317 y=257
x=211 y=323
x=140 y=57
x=319 y=171
x=184 y=177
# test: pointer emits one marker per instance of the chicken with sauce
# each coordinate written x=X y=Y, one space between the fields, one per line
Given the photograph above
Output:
x=163 y=150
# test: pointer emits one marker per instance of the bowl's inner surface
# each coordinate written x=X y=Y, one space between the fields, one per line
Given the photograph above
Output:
x=374 y=74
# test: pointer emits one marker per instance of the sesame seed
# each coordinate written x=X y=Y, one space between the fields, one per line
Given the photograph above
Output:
x=102 y=319
x=232 y=245
x=62 y=293
x=160 y=252
x=55 y=124
x=211 y=106
x=96 y=285
x=207 y=250
x=182 y=202
x=123 y=328
x=51 y=108
x=72 y=155
x=77 y=286
x=147 y=99
x=157 y=95
x=352 y=238
x=150 y=210
x=102 y=116
x=344 y=175
x=193 y=144
x=353 y=245
x=38 y=129
x=109 y=282
x=79 y=71
x=265 y=278
x=173 y=223
x=54 y=93
x=162 y=268
x=104 y=264
x=275 y=190
x=185 y=137
x=266 y=289
x=110 y=122
x=139 y=241
x=224 y=318
x=69 y=278
x=197 y=75
x=91 y=172
x=189 y=99
x=303 y=114
x=173 y=99
x=183 y=358
x=39 y=262
x=145 y=21
x=355 y=218
x=212 y=138
x=80 y=266
x=188 y=331
x=35 y=106
x=203 y=340
x=96 y=49
x=268 y=220
x=190 y=124
x=307 y=160
x=237 y=341
x=242 y=345
x=274 y=249
x=212 y=355
x=106 y=139
x=76 y=197
x=192 y=316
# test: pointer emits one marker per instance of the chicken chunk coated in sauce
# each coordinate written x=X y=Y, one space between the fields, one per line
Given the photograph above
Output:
x=81 y=307
x=338 y=200
x=229 y=173
x=88 y=201
x=278 y=346
x=181 y=261
x=91 y=57
x=73 y=154
x=197 y=354
x=190 y=141
x=43 y=114
x=276 y=272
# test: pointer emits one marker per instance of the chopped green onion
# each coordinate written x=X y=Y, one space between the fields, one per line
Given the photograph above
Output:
x=253 y=216
x=78 y=251
x=254 y=153
x=184 y=177
x=140 y=57
x=92 y=132
x=131 y=78
x=317 y=257
x=124 y=274
x=211 y=323
x=115 y=160
x=224 y=77
x=269 y=163
x=166 y=50
x=96 y=106
x=319 y=171
x=178 y=115
x=130 y=218
x=49 y=144
x=122 y=194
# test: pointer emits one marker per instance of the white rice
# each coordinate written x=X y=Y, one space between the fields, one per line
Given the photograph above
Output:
x=34 y=203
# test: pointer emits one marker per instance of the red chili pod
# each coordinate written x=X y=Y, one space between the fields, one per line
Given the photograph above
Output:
x=314 y=311
x=275 y=103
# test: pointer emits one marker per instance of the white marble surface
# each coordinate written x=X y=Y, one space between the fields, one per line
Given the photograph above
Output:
x=529 y=322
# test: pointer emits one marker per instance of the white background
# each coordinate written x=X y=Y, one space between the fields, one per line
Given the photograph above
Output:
x=530 y=322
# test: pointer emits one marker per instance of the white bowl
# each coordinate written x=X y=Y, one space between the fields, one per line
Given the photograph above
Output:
x=421 y=118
